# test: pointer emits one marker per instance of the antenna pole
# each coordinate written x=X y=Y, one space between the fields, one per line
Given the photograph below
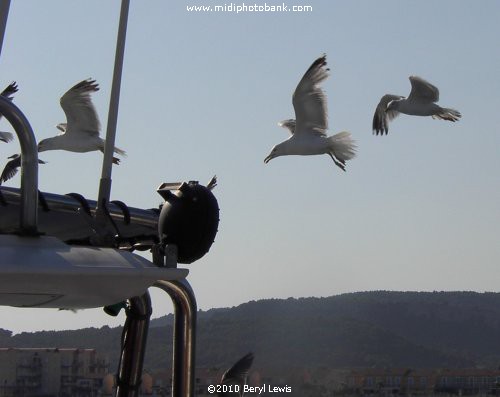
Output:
x=107 y=163
x=4 y=14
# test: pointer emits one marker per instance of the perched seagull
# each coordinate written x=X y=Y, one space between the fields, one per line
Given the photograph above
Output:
x=12 y=166
x=81 y=131
x=237 y=375
x=8 y=93
x=309 y=129
x=421 y=102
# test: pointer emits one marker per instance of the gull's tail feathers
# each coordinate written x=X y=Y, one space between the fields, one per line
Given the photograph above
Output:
x=120 y=152
x=342 y=148
x=448 y=114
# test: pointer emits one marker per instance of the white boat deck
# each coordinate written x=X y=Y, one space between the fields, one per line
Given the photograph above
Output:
x=45 y=272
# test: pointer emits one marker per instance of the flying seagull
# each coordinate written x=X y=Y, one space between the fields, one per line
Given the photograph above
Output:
x=8 y=93
x=308 y=131
x=212 y=183
x=237 y=376
x=421 y=102
x=12 y=166
x=81 y=131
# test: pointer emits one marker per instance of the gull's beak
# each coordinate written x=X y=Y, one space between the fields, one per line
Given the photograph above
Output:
x=268 y=158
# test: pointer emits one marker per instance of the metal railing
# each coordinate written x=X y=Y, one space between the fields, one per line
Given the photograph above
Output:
x=29 y=166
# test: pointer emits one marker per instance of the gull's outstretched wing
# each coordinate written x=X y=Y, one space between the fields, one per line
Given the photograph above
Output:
x=10 y=169
x=238 y=373
x=422 y=91
x=212 y=183
x=309 y=100
x=80 y=111
x=10 y=90
x=382 y=117
x=8 y=93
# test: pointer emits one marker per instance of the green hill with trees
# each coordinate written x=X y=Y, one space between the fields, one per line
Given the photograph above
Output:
x=364 y=329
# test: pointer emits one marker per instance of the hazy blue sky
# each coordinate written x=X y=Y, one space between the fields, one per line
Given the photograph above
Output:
x=202 y=94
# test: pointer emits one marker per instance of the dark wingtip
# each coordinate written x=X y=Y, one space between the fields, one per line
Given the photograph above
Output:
x=13 y=87
x=87 y=84
x=245 y=362
x=240 y=368
x=248 y=357
x=377 y=128
x=10 y=90
x=319 y=62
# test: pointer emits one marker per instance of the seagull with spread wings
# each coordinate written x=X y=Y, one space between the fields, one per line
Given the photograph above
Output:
x=80 y=133
x=10 y=169
x=308 y=131
x=237 y=375
x=421 y=102
x=8 y=93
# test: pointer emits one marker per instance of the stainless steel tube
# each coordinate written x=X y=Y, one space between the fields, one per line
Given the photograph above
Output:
x=107 y=162
x=183 y=365
x=29 y=166
x=4 y=14
x=135 y=334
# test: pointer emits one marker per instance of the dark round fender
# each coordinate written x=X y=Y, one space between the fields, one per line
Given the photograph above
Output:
x=189 y=218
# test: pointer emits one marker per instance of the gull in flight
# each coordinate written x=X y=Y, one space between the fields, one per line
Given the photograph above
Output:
x=12 y=166
x=421 y=102
x=308 y=131
x=81 y=131
x=8 y=93
x=237 y=376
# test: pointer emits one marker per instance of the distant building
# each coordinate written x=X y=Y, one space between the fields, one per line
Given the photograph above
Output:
x=468 y=381
x=425 y=382
x=391 y=381
x=51 y=372
x=161 y=381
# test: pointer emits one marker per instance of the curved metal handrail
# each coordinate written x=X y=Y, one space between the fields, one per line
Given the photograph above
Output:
x=29 y=166
x=185 y=307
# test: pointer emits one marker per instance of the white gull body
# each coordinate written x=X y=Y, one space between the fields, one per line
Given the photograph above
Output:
x=308 y=131
x=421 y=102
x=81 y=131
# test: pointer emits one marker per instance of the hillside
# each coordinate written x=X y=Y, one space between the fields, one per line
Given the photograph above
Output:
x=365 y=329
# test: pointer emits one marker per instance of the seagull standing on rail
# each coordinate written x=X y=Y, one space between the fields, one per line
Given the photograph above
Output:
x=421 y=102
x=80 y=133
x=309 y=129
x=8 y=93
